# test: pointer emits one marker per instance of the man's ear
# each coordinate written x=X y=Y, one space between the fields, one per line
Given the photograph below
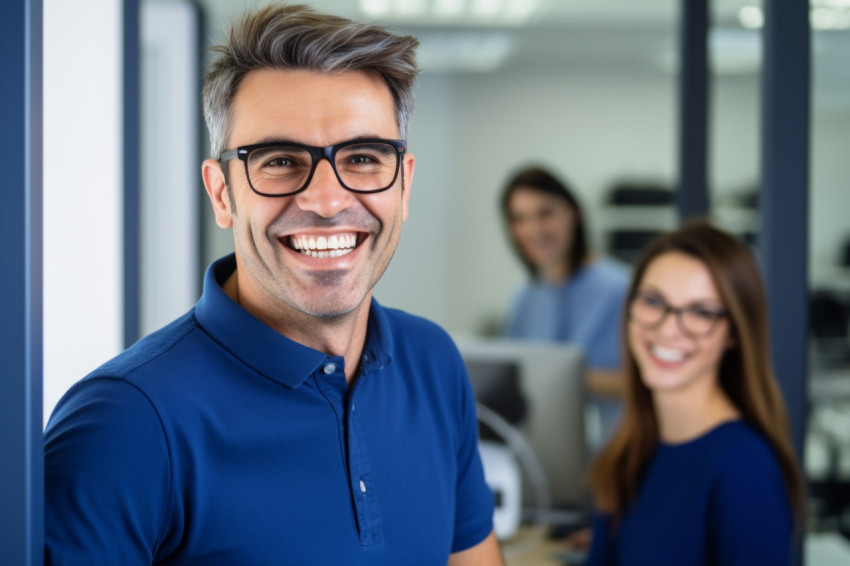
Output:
x=407 y=164
x=218 y=193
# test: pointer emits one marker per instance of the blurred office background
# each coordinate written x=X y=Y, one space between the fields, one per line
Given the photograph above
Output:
x=585 y=87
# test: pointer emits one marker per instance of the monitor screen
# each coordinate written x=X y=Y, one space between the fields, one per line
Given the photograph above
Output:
x=497 y=385
x=538 y=388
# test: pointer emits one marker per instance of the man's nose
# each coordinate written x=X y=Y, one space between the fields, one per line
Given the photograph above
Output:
x=324 y=195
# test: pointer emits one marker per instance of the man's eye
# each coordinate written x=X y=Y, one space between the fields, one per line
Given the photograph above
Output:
x=274 y=158
x=361 y=159
x=279 y=162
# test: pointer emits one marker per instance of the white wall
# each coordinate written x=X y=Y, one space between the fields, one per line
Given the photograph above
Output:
x=419 y=277
x=82 y=190
x=170 y=186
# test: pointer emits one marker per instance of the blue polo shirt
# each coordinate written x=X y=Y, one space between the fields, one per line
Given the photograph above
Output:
x=218 y=441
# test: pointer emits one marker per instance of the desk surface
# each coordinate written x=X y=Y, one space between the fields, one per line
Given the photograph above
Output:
x=531 y=547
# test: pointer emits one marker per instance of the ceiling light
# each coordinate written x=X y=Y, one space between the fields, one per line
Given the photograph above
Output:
x=376 y=8
x=411 y=8
x=448 y=8
x=485 y=12
x=830 y=18
x=751 y=17
x=467 y=52
x=485 y=8
x=823 y=15
x=520 y=10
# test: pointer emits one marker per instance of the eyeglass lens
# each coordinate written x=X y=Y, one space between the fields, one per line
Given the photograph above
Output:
x=282 y=169
x=651 y=311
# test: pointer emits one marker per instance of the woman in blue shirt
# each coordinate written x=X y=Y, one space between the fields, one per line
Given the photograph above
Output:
x=570 y=296
x=700 y=470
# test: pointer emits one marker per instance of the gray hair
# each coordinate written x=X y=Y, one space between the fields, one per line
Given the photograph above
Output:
x=297 y=37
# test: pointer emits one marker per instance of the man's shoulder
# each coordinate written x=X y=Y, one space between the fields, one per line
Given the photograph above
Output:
x=140 y=375
x=156 y=346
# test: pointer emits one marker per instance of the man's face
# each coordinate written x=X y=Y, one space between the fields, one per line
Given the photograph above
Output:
x=276 y=278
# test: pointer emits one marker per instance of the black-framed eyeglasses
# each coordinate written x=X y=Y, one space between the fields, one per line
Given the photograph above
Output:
x=650 y=311
x=279 y=169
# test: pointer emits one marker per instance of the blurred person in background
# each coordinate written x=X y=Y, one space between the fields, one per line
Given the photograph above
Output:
x=701 y=470
x=570 y=296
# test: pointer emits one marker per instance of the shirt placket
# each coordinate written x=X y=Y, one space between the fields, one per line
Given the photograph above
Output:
x=361 y=480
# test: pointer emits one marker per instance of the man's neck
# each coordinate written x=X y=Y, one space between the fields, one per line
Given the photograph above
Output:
x=343 y=335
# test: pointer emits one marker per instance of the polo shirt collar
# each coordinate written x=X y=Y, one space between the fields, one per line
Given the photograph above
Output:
x=267 y=351
x=379 y=347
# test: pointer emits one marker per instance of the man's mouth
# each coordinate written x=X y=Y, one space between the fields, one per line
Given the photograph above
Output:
x=333 y=245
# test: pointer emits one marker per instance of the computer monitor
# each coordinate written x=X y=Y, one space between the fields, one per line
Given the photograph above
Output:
x=539 y=388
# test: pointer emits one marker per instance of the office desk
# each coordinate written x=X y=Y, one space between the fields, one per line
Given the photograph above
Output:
x=531 y=547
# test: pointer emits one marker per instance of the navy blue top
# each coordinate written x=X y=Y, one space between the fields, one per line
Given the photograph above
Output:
x=218 y=441
x=717 y=500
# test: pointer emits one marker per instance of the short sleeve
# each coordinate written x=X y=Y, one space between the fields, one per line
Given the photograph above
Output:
x=474 y=500
x=604 y=349
x=603 y=343
x=515 y=320
x=106 y=468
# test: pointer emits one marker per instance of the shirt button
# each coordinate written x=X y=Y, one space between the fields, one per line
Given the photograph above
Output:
x=329 y=369
x=362 y=487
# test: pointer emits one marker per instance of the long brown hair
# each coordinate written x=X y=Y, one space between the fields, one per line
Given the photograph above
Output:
x=746 y=375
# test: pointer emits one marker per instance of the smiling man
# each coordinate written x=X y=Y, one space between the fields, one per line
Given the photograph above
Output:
x=288 y=418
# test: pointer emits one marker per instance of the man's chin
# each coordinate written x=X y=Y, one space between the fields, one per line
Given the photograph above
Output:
x=327 y=278
x=331 y=309
x=332 y=314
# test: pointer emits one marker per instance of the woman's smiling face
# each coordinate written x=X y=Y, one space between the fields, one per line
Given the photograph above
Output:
x=543 y=227
x=672 y=356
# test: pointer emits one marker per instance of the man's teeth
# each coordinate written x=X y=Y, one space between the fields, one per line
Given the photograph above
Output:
x=324 y=246
x=667 y=354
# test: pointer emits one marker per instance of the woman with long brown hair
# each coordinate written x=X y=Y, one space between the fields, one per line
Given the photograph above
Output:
x=701 y=469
